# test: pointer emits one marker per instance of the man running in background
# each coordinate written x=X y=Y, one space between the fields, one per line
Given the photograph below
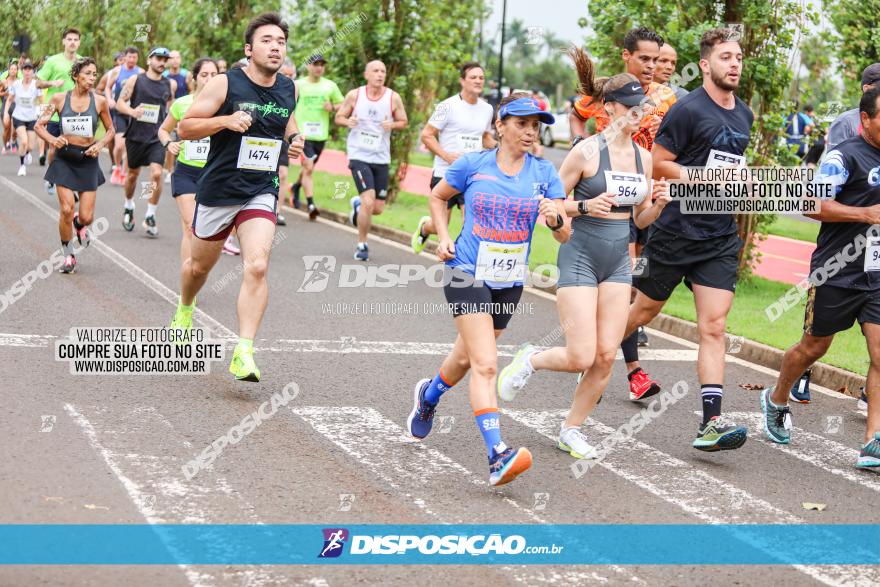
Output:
x=666 y=63
x=319 y=97
x=117 y=78
x=54 y=77
x=371 y=112
x=460 y=124
x=146 y=98
x=849 y=123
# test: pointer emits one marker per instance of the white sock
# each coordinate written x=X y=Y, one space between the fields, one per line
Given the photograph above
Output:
x=129 y=203
x=362 y=245
x=151 y=209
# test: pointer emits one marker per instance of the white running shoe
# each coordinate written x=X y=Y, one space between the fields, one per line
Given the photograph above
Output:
x=514 y=377
x=573 y=441
x=28 y=159
x=22 y=170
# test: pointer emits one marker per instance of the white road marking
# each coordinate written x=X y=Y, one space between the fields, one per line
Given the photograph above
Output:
x=126 y=265
x=833 y=457
x=415 y=470
x=156 y=484
x=693 y=490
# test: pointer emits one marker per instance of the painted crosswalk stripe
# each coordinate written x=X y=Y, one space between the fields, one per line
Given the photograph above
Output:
x=685 y=486
x=415 y=470
x=833 y=457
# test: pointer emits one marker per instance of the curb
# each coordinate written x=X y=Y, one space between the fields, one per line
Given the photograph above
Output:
x=833 y=378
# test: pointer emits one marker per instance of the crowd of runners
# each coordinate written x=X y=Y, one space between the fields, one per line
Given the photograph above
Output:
x=223 y=138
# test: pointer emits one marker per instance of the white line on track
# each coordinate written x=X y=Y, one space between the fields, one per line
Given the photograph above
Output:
x=415 y=470
x=123 y=262
x=691 y=489
x=830 y=456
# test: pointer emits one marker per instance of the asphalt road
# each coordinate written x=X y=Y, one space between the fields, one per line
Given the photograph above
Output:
x=109 y=449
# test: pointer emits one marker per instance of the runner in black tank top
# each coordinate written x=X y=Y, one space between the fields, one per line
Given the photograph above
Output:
x=248 y=113
x=146 y=98
x=75 y=165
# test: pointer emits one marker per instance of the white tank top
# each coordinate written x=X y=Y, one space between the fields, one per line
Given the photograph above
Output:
x=367 y=141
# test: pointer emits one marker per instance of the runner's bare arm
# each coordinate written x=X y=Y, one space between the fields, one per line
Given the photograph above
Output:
x=429 y=139
x=489 y=141
x=398 y=113
x=834 y=211
x=122 y=105
x=108 y=89
x=649 y=210
x=173 y=92
x=200 y=120
x=664 y=163
x=296 y=146
x=441 y=193
x=165 y=135
x=55 y=104
x=576 y=124
x=345 y=111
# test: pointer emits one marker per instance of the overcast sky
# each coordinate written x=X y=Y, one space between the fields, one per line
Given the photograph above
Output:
x=559 y=16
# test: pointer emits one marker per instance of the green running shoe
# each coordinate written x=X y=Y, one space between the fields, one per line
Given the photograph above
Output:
x=720 y=435
x=418 y=241
x=514 y=377
x=869 y=456
x=243 y=366
x=777 y=419
x=183 y=317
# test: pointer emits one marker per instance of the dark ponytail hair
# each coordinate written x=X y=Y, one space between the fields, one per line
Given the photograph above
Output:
x=588 y=84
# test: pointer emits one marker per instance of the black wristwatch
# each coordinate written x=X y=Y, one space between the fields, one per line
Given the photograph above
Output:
x=582 y=207
x=559 y=223
x=291 y=137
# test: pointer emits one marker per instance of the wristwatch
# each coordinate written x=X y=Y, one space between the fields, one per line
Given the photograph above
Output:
x=582 y=207
x=559 y=223
x=291 y=137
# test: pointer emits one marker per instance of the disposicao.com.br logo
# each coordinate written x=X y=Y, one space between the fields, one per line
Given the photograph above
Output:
x=430 y=544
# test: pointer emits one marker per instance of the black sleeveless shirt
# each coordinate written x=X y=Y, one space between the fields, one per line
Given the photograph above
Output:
x=222 y=182
x=154 y=92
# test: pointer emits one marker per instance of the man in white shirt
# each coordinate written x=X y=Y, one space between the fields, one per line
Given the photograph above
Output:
x=460 y=124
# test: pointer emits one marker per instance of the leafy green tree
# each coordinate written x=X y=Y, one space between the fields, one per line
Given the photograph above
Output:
x=858 y=43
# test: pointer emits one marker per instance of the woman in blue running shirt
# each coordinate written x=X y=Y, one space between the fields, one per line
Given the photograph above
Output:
x=505 y=190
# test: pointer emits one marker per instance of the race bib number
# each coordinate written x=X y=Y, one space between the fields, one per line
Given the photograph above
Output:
x=502 y=263
x=369 y=140
x=872 y=254
x=470 y=143
x=25 y=101
x=196 y=150
x=258 y=154
x=79 y=126
x=151 y=113
x=313 y=129
x=722 y=159
x=629 y=189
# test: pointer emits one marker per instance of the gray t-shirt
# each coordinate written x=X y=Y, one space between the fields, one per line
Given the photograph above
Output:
x=844 y=127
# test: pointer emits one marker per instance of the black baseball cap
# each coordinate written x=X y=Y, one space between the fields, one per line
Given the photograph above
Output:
x=27 y=65
x=630 y=94
x=316 y=58
x=871 y=74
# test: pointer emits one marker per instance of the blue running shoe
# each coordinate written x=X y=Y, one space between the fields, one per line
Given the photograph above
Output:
x=355 y=203
x=869 y=456
x=422 y=416
x=362 y=253
x=800 y=391
x=508 y=464
x=777 y=419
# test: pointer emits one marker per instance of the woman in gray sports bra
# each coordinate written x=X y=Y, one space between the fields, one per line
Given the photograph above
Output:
x=609 y=175
x=75 y=167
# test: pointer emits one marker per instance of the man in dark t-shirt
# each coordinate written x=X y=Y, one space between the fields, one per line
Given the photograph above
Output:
x=844 y=276
x=709 y=127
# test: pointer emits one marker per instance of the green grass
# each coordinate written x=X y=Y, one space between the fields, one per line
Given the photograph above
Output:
x=746 y=319
x=796 y=229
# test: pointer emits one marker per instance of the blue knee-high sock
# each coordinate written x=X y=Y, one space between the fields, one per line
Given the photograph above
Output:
x=437 y=388
x=490 y=427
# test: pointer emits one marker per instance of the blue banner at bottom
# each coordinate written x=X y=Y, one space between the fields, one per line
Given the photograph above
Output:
x=557 y=544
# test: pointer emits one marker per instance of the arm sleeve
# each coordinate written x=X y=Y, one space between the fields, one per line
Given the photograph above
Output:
x=835 y=169
x=457 y=174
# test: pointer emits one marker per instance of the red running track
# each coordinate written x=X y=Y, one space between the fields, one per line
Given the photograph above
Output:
x=782 y=259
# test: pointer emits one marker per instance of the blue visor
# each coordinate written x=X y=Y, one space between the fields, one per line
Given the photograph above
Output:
x=160 y=52
x=525 y=107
